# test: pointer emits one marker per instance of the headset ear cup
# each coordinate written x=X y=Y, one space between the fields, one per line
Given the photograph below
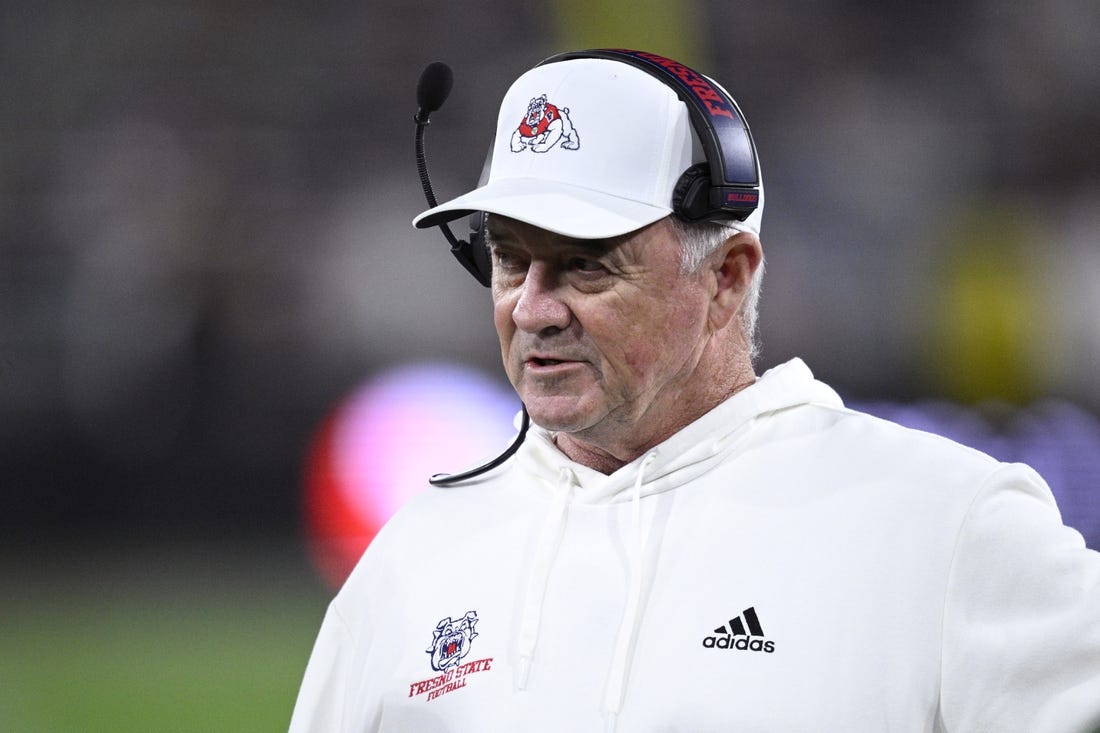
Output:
x=473 y=254
x=691 y=196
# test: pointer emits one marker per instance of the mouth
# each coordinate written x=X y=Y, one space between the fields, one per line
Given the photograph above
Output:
x=545 y=363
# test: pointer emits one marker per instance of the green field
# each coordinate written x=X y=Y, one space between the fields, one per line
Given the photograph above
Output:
x=180 y=637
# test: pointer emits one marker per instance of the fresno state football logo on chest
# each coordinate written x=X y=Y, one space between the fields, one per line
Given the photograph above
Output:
x=451 y=643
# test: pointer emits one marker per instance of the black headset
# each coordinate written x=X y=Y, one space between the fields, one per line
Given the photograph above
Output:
x=724 y=188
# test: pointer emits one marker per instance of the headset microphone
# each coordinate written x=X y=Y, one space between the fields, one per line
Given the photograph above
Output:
x=433 y=89
x=431 y=92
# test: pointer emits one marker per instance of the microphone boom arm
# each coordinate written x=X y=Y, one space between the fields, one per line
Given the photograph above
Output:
x=435 y=85
x=432 y=91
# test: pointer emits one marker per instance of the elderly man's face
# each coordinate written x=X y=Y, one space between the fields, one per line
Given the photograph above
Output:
x=600 y=338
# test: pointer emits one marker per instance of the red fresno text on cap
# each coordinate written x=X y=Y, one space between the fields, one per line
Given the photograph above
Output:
x=702 y=88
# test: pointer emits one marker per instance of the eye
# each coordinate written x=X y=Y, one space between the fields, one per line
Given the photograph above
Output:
x=585 y=264
x=505 y=260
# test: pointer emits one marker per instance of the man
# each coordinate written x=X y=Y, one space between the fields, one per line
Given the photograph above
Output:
x=679 y=544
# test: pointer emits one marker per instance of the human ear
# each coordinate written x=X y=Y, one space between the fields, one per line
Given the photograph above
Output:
x=732 y=269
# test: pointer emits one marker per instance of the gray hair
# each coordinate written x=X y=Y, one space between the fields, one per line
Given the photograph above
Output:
x=700 y=240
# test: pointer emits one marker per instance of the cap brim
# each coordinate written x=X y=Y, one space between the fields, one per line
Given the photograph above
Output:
x=551 y=205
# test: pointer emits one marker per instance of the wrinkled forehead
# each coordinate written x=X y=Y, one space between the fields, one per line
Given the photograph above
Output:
x=504 y=230
x=643 y=247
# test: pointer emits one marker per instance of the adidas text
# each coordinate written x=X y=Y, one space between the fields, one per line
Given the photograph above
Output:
x=743 y=643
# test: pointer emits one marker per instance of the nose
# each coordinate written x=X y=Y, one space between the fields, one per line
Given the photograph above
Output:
x=540 y=308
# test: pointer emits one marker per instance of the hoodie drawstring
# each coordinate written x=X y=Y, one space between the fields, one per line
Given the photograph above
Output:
x=549 y=542
x=632 y=614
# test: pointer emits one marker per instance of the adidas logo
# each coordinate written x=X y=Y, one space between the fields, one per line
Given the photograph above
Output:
x=732 y=634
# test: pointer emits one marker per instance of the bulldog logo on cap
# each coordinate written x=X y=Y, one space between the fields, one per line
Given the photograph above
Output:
x=543 y=127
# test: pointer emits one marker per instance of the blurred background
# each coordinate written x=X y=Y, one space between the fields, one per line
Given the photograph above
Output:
x=225 y=355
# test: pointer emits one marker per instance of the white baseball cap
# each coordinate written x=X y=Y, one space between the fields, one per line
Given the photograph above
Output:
x=588 y=148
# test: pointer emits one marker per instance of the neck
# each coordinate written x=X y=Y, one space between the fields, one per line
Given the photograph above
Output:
x=607 y=456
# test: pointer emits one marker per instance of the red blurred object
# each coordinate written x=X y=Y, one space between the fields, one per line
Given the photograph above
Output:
x=337 y=533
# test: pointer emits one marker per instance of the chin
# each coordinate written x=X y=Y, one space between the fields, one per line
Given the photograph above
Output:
x=554 y=423
x=556 y=419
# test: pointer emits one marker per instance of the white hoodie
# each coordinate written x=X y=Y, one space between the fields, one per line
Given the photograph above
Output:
x=781 y=564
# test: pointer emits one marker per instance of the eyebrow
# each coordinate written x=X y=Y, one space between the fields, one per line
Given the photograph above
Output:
x=494 y=237
x=595 y=246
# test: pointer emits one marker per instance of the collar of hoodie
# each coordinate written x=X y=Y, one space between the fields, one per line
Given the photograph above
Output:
x=687 y=454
